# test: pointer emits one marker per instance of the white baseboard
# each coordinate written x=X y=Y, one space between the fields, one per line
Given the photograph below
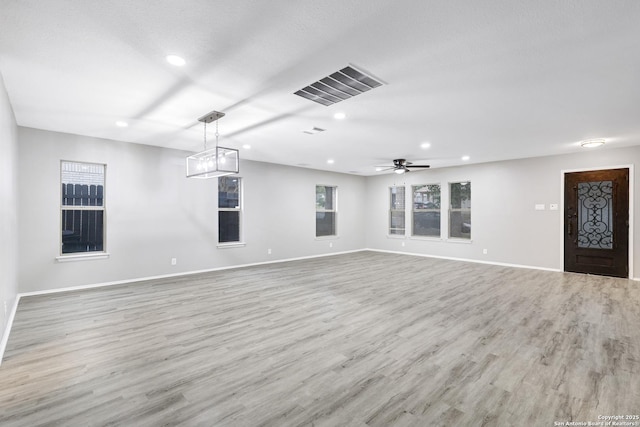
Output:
x=501 y=264
x=7 y=329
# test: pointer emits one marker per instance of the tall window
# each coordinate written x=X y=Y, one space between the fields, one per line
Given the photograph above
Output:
x=460 y=210
x=229 y=209
x=426 y=210
x=82 y=207
x=326 y=210
x=396 y=211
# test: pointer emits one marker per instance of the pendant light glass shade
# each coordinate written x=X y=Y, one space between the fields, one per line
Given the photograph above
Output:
x=213 y=162
x=218 y=161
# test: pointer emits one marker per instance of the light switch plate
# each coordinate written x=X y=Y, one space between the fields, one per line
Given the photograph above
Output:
x=539 y=207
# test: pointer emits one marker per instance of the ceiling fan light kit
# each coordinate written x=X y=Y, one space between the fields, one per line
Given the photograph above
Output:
x=214 y=162
x=401 y=166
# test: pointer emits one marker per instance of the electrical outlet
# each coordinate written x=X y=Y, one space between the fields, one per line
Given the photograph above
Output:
x=403 y=244
x=269 y=251
x=174 y=261
x=484 y=251
x=330 y=244
x=553 y=207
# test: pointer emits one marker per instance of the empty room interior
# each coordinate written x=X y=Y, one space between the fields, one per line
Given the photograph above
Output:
x=336 y=213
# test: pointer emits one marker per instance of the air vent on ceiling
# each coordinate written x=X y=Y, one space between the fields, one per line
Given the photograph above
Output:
x=341 y=85
x=313 y=130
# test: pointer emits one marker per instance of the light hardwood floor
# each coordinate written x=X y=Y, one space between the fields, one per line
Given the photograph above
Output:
x=362 y=339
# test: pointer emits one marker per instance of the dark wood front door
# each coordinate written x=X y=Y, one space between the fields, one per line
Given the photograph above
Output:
x=596 y=222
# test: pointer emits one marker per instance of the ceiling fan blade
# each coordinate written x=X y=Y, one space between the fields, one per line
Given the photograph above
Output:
x=384 y=168
x=420 y=166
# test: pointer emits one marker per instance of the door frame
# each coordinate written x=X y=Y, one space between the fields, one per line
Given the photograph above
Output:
x=563 y=172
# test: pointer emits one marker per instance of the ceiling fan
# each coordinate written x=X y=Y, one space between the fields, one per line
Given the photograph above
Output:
x=400 y=166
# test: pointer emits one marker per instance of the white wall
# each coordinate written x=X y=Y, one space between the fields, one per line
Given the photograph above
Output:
x=154 y=213
x=8 y=207
x=503 y=217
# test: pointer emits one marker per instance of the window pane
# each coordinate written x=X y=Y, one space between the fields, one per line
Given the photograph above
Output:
x=82 y=184
x=426 y=210
x=460 y=210
x=325 y=224
x=460 y=224
x=228 y=226
x=325 y=197
x=329 y=203
x=82 y=231
x=426 y=223
x=396 y=225
x=460 y=195
x=321 y=196
x=426 y=196
x=397 y=198
x=228 y=192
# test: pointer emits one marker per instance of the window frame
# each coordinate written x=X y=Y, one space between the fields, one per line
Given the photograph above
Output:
x=461 y=210
x=85 y=255
x=414 y=211
x=392 y=209
x=322 y=210
x=239 y=209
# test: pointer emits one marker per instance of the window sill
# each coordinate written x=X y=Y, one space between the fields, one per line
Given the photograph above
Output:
x=396 y=236
x=83 y=257
x=327 y=237
x=427 y=238
x=231 y=245
x=463 y=241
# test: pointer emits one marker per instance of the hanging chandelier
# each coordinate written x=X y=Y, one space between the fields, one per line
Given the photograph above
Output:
x=214 y=162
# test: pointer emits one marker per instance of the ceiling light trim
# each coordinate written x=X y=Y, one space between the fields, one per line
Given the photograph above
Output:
x=592 y=143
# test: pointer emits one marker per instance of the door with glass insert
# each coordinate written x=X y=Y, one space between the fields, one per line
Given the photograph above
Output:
x=596 y=222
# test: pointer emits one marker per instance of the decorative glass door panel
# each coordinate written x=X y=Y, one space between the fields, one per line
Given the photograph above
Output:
x=595 y=214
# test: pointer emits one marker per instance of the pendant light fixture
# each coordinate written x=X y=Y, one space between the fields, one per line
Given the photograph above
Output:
x=214 y=162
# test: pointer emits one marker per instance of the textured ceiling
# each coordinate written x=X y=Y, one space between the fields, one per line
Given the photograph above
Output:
x=489 y=79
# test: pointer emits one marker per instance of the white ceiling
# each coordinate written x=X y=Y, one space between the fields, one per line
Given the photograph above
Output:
x=494 y=79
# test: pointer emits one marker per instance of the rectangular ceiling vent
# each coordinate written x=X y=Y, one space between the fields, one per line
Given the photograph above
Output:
x=313 y=130
x=341 y=85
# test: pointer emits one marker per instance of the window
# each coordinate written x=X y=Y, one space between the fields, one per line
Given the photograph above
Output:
x=460 y=210
x=82 y=207
x=229 y=209
x=326 y=210
x=396 y=211
x=426 y=210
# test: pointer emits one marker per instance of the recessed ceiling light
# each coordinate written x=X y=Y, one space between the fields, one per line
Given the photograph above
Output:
x=330 y=161
x=339 y=115
x=592 y=143
x=425 y=145
x=465 y=158
x=246 y=147
x=175 y=60
x=122 y=124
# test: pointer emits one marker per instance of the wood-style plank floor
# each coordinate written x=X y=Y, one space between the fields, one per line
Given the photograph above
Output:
x=362 y=339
